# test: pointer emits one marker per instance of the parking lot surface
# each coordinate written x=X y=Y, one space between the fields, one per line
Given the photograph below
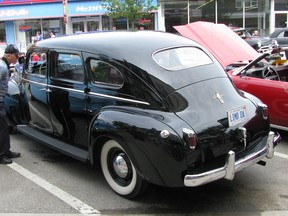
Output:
x=46 y=183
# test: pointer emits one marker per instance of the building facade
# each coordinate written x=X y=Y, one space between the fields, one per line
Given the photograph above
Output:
x=21 y=20
x=263 y=15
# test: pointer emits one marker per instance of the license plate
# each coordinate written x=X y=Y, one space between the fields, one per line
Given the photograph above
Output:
x=236 y=115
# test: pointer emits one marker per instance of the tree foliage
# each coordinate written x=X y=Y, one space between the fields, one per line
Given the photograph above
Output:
x=133 y=10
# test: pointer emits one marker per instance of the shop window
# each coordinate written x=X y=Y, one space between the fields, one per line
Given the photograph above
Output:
x=2 y=32
x=78 y=27
x=92 y=26
x=105 y=23
x=248 y=3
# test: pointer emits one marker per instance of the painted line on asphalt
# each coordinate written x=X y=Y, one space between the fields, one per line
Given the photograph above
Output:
x=278 y=154
x=67 y=198
x=266 y=213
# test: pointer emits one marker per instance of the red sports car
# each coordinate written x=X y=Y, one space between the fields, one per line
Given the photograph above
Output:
x=249 y=70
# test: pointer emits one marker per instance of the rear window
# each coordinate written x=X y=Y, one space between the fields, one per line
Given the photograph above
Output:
x=181 y=58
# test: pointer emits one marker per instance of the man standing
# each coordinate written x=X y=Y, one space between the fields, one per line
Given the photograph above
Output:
x=10 y=57
x=39 y=36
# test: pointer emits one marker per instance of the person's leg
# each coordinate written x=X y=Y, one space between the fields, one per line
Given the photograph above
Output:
x=4 y=141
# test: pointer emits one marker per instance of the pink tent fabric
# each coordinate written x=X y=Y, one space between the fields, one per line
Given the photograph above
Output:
x=220 y=40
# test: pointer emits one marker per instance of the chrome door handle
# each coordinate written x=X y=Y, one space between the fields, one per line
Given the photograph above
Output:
x=45 y=89
x=90 y=111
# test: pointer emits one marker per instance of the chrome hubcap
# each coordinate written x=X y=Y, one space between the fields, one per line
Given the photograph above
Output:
x=120 y=166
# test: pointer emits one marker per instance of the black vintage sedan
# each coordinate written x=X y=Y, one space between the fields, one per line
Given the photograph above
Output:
x=148 y=107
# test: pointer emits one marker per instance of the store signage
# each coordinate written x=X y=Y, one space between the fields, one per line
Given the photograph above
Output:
x=89 y=8
x=15 y=13
x=24 y=28
x=8 y=2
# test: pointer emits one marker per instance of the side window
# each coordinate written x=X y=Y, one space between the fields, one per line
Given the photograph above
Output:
x=69 y=66
x=105 y=73
x=37 y=63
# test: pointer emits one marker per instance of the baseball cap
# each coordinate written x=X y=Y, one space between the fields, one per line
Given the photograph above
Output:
x=11 y=49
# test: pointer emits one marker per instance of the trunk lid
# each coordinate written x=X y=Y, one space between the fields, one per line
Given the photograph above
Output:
x=206 y=109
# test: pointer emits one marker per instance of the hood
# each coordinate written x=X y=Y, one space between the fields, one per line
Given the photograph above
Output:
x=220 y=40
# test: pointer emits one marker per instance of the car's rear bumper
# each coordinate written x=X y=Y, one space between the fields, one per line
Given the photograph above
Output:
x=232 y=166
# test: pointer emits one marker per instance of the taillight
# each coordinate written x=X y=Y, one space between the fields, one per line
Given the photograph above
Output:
x=263 y=110
x=190 y=138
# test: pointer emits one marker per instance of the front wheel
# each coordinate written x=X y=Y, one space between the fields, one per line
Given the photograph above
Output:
x=120 y=172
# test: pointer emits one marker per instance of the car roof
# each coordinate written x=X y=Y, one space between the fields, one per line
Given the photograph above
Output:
x=132 y=49
x=118 y=41
x=135 y=47
x=277 y=32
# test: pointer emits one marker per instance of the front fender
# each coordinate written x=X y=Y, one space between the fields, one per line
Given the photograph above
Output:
x=159 y=160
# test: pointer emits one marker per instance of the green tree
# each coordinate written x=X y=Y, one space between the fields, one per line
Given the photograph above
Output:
x=132 y=10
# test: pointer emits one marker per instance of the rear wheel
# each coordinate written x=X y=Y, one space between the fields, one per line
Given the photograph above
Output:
x=120 y=172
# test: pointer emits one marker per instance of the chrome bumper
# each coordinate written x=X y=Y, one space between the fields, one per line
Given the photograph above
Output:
x=232 y=166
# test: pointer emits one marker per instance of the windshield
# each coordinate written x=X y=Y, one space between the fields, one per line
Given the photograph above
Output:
x=181 y=58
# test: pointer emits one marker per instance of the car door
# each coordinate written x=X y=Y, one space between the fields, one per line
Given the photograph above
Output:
x=105 y=84
x=273 y=93
x=67 y=97
x=36 y=80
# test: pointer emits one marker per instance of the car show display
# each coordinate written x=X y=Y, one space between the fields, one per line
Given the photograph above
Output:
x=146 y=107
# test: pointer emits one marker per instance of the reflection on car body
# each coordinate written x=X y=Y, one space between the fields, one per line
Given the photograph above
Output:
x=164 y=113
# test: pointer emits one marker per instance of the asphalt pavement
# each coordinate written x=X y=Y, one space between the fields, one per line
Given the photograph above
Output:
x=43 y=182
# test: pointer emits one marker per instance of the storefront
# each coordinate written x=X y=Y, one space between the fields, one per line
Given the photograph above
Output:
x=281 y=14
x=263 y=15
x=21 y=20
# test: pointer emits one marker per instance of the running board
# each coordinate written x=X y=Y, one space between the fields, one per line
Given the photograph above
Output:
x=57 y=145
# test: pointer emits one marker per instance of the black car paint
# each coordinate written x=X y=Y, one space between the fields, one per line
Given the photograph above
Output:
x=281 y=36
x=151 y=100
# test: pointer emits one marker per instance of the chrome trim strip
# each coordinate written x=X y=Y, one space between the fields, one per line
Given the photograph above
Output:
x=118 y=98
x=37 y=83
x=279 y=127
x=90 y=93
x=231 y=167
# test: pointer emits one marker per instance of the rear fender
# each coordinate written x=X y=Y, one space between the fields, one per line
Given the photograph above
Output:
x=159 y=160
